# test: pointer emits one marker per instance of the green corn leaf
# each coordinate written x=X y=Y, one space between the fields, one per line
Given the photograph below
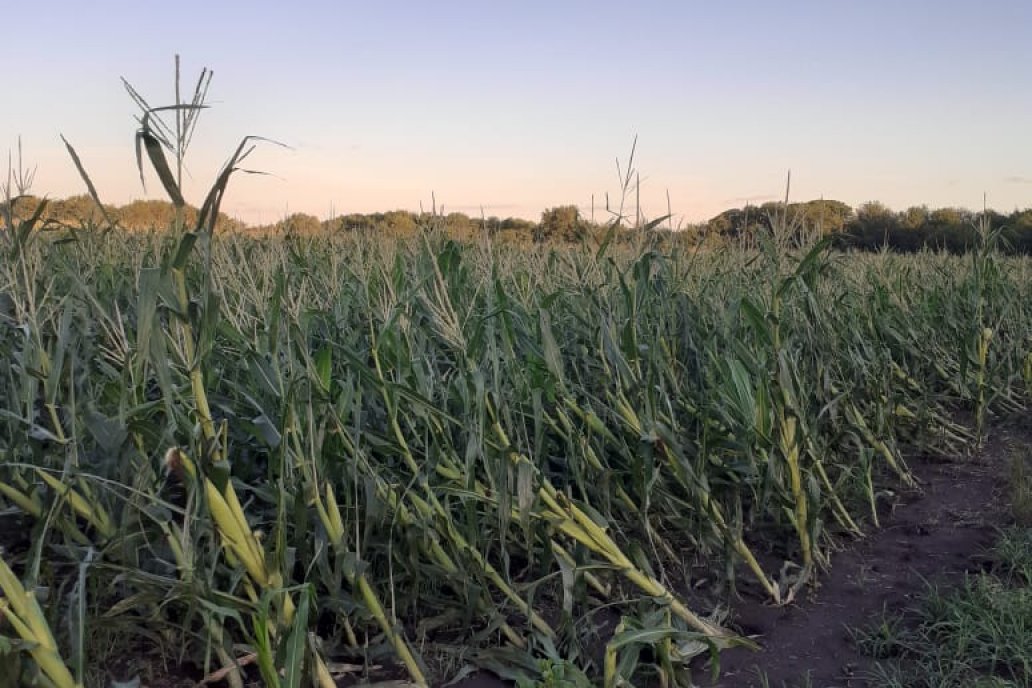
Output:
x=294 y=658
x=156 y=155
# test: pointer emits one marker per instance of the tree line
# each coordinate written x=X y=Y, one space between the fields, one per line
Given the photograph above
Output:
x=870 y=226
x=139 y=215
x=873 y=225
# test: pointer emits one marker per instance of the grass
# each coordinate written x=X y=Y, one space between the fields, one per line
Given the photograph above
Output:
x=979 y=634
x=1021 y=486
x=310 y=451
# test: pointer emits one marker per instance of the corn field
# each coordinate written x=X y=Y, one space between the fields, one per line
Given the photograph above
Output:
x=314 y=455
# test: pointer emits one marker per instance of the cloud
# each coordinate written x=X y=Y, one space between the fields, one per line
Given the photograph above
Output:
x=1018 y=180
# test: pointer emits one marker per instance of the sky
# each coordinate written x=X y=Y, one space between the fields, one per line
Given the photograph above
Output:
x=508 y=108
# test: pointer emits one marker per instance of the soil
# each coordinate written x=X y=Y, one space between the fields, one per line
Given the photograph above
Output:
x=933 y=535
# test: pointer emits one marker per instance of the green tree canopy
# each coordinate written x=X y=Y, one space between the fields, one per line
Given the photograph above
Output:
x=562 y=223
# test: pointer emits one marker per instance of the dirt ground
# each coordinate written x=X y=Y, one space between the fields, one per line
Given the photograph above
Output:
x=934 y=534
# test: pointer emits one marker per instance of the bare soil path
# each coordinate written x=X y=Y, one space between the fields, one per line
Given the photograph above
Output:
x=933 y=535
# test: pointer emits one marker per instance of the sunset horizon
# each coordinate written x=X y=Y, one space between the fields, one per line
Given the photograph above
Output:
x=552 y=344
x=514 y=111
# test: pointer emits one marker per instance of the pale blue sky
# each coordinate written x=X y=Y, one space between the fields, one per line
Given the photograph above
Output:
x=520 y=106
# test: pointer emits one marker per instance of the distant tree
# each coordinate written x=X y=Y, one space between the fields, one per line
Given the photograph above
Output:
x=1020 y=219
x=459 y=226
x=738 y=222
x=517 y=228
x=873 y=226
x=301 y=223
x=1017 y=231
x=914 y=218
x=22 y=207
x=75 y=210
x=822 y=216
x=562 y=223
x=952 y=229
x=725 y=223
x=400 y=223
x=355 y=222
x=911 y=230
x=949 y=217
x=488 y=225
x=146 y=214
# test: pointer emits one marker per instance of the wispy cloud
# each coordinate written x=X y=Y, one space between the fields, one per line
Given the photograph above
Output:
x=1018 y=180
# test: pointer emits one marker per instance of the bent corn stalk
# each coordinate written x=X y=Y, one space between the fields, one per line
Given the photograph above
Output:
x=329 y=514
x=20 y=608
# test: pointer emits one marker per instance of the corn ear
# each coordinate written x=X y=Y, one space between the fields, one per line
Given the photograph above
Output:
x=30 y=504
x=93 y=513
